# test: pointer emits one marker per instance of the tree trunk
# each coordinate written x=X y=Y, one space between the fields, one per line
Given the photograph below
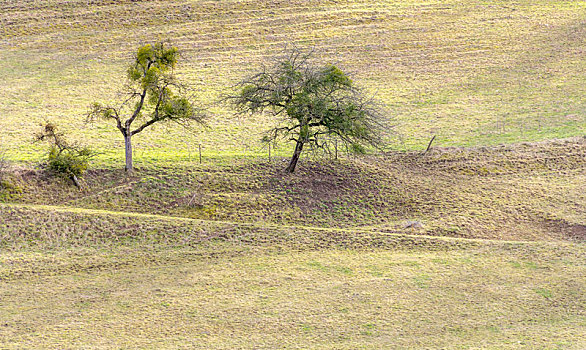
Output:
x=295 y=158
x=128 y=151
x=76 y=181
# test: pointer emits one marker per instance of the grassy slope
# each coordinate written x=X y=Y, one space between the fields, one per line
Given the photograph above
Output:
x=128 y=262
x=472 y=72
x=524 y=192
x=236 y=294
x=74 y=277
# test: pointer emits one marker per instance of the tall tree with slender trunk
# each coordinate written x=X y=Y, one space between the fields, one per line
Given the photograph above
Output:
x=151 y=95
x=311 y=103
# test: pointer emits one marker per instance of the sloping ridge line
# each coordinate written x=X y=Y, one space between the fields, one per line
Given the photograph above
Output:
x=65 y=209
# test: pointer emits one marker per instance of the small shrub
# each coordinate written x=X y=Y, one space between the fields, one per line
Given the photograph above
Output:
x=8 y=187
x=69 y=162
x=64 y=159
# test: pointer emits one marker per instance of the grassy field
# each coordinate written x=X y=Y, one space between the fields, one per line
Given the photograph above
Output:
x=242 y=256
x=74 y=278
x=472 y=72
x=232 y=296
x=234 y=254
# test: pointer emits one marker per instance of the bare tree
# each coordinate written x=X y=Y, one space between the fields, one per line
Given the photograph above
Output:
x=312 y=104
x=152 y=95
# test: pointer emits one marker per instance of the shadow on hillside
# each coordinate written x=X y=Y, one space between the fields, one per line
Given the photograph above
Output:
x=525 y=191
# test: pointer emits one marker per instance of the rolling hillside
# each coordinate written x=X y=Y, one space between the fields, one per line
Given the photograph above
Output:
x=471 y=72
x=522 y=192
x=477 y=243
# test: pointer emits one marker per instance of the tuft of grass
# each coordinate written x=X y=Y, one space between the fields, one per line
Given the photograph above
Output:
x=546 y=293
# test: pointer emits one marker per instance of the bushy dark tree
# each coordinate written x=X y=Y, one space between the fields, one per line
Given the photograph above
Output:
x=312 y=103
x=152 y=95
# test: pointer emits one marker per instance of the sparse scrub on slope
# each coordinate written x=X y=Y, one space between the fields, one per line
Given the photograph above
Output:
x=64 y=158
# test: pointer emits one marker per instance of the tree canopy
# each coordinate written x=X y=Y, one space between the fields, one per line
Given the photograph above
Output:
x=312 y=103
x=152 y=94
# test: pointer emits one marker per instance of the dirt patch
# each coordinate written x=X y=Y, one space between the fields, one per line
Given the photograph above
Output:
x=570 y=231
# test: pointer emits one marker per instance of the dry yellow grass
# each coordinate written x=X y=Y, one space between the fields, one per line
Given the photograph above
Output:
x=75 y=278
x=234 y=296
x=225 y=254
